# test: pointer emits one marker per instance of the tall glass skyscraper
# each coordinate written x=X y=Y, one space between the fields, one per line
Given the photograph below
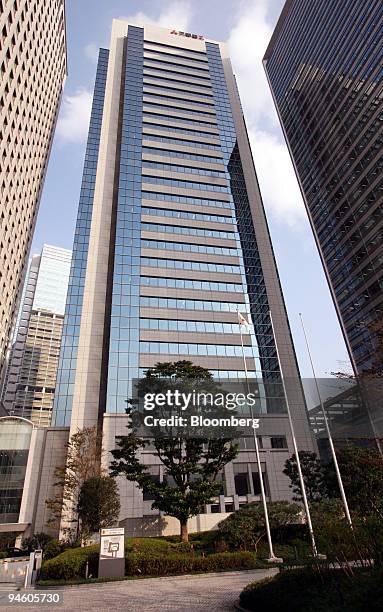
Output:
x=32 y=369
x=171 y=240
x=324 y=65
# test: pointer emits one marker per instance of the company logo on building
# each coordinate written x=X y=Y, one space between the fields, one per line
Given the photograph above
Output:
x=187 y=34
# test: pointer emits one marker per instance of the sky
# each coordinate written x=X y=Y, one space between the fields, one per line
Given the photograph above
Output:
x=247 y=26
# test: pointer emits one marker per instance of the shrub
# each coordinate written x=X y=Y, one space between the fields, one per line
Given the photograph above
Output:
x=7 y=540
x=369 y=539
x=277 y=593
x=206 y=541
x=245 y=528
x=148 y=545
x=293 y=532
x=139 y=564
x=71 y=564
x=35 y=542
x=339 y=542
x=148 y=557
x=293 y=552
x=54 y=548
x=183 y=547
x=317 y=591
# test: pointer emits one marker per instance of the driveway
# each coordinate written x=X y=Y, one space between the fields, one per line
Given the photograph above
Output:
x=207 y=592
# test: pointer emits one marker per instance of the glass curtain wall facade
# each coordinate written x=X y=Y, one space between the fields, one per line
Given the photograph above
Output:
x=15 y=437
x=324 y=65
x=71 y=329
x=32 y=369
x=163 y=245
x=170 y=253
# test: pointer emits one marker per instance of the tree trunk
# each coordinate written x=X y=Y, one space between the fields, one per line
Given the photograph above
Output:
x=184 y=531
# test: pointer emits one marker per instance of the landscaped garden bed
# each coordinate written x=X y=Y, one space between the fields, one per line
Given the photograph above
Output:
x=330 y=590
x=150 y=557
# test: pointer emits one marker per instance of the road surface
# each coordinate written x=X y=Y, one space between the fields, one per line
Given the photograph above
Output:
x=196 y=593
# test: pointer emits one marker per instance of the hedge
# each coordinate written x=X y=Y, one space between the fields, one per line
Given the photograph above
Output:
x=148 y=545
x=71 y=564
x=140 y=564
x=326 y=591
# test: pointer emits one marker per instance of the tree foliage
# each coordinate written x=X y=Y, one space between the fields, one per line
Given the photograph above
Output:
x=246 y=528
x=98 y=504
x=362 y=474
x=191 y=465
x=36 y=542
x=314 y=476
x=7 y=540
x=83 y=462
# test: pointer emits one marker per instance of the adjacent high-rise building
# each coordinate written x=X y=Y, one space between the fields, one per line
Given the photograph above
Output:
x=324 y=66
x=171 y=240
x=32 y=369
x=33 y=67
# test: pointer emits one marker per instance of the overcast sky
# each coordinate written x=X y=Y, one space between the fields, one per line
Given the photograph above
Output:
x=247 y=25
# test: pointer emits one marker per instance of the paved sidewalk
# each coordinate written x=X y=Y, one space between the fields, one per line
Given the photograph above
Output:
x=202 y=593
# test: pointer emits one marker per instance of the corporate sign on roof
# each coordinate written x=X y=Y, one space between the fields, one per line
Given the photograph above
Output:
x=187 y=34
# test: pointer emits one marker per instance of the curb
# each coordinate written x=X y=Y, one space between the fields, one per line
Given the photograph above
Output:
x=129 y=578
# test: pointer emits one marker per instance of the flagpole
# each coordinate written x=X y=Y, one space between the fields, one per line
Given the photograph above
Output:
x=272 y=558
x=296 y=452
x=331 y=443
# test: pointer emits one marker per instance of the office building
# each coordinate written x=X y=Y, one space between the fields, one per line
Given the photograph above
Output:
x=33 y=67
x=29 y=456
x=324 y=66
x=15 y=438
x=32 y=369
x=353 y=411
x=171 y=239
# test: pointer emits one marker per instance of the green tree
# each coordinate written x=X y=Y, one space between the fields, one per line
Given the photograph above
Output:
x=246 y=527
x=362 y=474
x=35 y=542
x=7 y=540
x=98 y=504
x=83 y=462
x=314 y=476
x=191 y=465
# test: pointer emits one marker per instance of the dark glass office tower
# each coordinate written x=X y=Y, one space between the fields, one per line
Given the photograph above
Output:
x=171 y=241
x=324 y=65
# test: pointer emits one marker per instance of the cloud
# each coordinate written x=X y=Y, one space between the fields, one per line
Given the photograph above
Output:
x=176 y=14
x=248 y=41
x=73 y=121
x=279 y=186
x=91 y=52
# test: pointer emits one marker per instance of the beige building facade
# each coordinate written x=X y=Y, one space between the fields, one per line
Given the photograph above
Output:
x=33 y=67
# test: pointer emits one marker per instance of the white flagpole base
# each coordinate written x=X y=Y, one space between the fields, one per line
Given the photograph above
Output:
x=274 y=560
x=320 y=557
